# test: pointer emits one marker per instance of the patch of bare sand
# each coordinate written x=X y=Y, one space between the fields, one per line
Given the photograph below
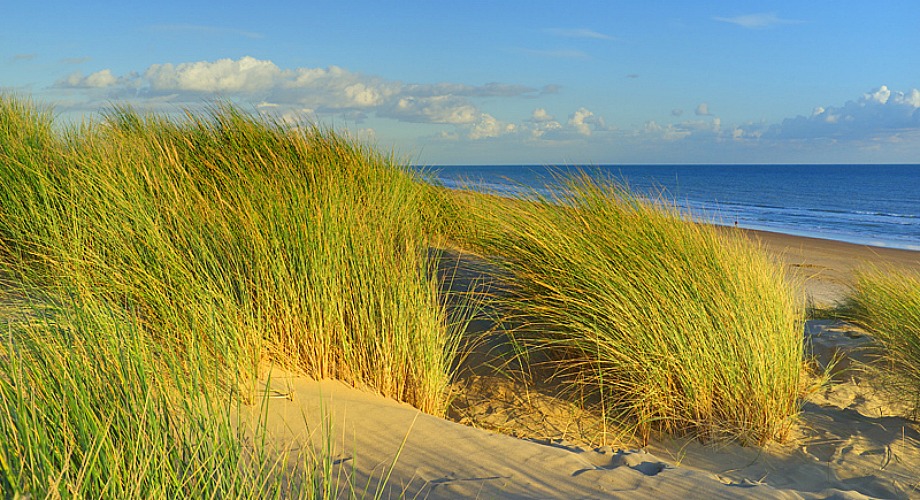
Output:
x=381 y=446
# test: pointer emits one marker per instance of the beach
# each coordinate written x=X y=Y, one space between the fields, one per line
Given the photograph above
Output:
x=827 y=267
x=848 y=442
x=434 y=344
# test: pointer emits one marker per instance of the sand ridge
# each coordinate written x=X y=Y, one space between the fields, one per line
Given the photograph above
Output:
x=849 y=441
x=848 y=444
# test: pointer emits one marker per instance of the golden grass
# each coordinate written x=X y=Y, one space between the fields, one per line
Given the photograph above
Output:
x=673 y=326
x=886 y=302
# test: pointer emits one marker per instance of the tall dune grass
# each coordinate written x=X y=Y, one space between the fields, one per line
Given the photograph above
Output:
x=886 y=302
x=674 y=326
x=92 y=409
x=158 y=262
x=240 y=236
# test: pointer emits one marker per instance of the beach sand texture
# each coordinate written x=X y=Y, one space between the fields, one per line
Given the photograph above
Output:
x=849 y=442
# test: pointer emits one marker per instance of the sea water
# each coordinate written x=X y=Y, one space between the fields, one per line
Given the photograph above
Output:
x=867 y=204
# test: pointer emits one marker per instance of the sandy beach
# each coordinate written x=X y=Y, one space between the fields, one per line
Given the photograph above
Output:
x=827 y=267
x=849 y=442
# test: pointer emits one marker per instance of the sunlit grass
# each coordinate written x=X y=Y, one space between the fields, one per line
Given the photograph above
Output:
x=91 y=408
x=150 y=266
x=673 y=326
x=886 y=302
x=173 y=257
x=241 y=236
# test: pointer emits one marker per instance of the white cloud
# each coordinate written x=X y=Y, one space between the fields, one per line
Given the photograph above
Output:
x=540 y=115
x=540 y=123
x=98 y=80
x=757 y=21
x=101 y=79
x=488 y=126
x=540 y=129
x=702 y=110
x=880 y=96
x=879 y=112
x=913 y=99
x=319 y=90
x=585 y=122
x=225 y=75
x=364 y=95
x=437 y=109
x=578 y=118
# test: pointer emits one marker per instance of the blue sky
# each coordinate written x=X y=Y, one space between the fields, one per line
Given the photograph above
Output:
x=503 y=82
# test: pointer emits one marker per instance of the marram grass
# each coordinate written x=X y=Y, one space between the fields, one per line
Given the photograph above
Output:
x=241 y=237
x=150 y=265
x=673 y=326
x=90 y=409
x=158 y=262
x=886 y=302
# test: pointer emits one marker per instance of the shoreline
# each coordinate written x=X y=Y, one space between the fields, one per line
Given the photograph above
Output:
x=828 y=268
x=862 y=216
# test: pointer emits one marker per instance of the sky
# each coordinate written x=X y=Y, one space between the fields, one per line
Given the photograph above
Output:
x=492 y=82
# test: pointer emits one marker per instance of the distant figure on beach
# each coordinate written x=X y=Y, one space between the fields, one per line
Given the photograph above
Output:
x=736 y=223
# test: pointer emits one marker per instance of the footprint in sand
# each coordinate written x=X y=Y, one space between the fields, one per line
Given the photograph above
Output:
x=636 y=461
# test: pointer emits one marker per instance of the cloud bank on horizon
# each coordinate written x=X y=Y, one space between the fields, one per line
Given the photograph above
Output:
x=880 y=115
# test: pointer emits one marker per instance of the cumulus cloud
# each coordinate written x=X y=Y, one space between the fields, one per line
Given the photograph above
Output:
x=878 y=112
x=437 y=109
x=101 y=79
x=757 y=21
x=541 y=122
x=585 y=122
x=318 y=90
x=540 y=115
x=98 y=80
x=247 y=74
x=578 y=120
x=702 y=109
x=487 y=126
x=683 y=130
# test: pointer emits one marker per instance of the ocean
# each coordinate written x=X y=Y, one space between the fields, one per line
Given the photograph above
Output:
x=875 y=205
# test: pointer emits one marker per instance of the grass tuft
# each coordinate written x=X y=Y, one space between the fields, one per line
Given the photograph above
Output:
x=172 y=258
x=672 y=326
x=886 y=303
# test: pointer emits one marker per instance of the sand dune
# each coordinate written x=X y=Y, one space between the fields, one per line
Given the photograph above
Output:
x=849 y=443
